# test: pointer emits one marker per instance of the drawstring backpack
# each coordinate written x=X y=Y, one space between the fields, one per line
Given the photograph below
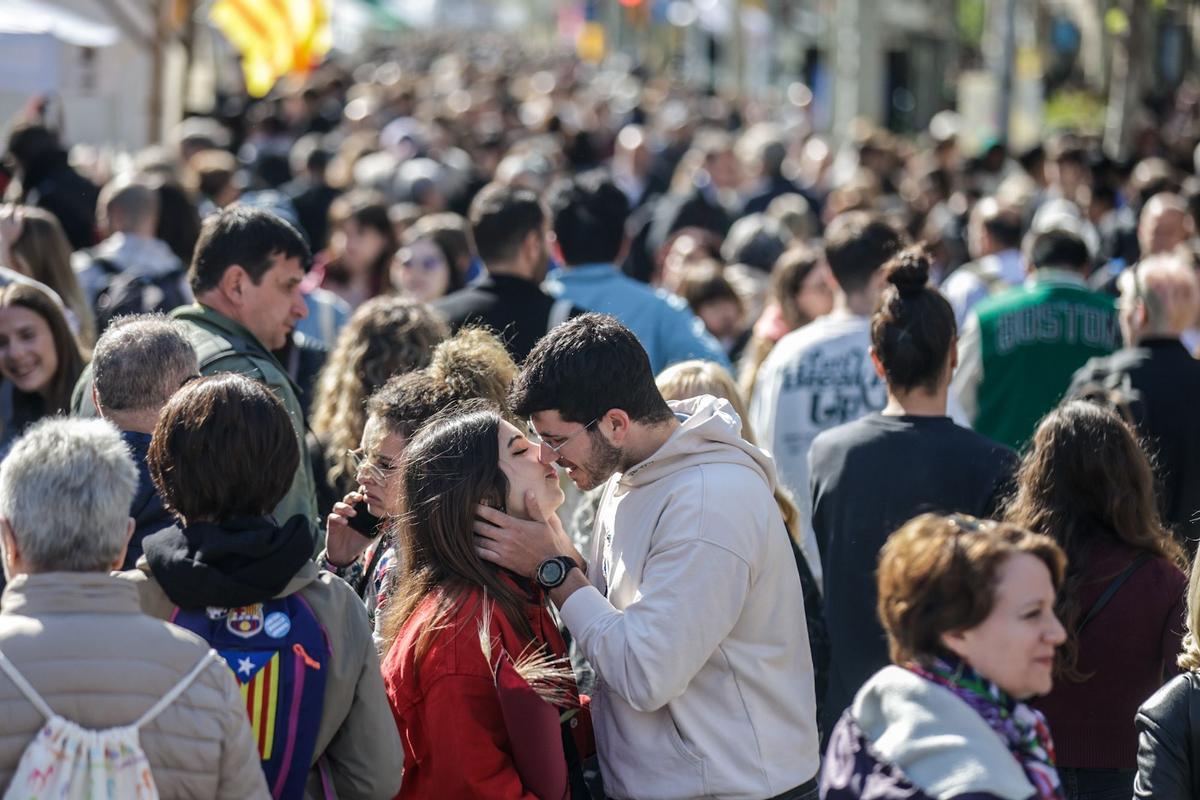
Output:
x=69 y=762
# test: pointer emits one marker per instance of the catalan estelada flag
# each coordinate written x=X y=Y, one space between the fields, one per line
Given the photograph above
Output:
x=274 y=37
x=258 y=678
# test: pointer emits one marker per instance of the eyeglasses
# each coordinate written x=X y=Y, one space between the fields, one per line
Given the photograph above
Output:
x=429 y=264
x=369 y=464
x=557 y=448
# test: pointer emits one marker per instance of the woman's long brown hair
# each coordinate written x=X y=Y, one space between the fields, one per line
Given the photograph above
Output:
x=1086 y=478
x=451 y=466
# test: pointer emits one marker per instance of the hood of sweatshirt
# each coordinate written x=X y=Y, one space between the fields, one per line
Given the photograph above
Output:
x=710 y=432
x=238 y=563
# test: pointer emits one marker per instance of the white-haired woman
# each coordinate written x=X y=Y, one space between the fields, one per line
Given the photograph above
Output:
x=76 y=633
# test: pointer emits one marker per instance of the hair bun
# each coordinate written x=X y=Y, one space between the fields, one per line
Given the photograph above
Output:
x=908 y=271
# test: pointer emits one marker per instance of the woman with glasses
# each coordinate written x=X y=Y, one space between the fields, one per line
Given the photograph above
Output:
x=464 y=638
x=1087 y=484
x=360 y=529
x=968 y=607
x=433 y=259
x=386 y=336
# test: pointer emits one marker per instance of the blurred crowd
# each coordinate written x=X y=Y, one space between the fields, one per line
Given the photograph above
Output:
x=513 y=426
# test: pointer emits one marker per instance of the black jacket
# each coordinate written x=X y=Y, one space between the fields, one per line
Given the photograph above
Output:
x=905 y=465
x=515 y=308
x=53 y=185
x=1168 y=727
x=1159 y=382
x=147 y=510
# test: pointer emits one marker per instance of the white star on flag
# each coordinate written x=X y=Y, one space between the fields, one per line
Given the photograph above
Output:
x=245 y=665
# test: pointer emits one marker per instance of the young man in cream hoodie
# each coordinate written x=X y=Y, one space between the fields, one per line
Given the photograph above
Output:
x=690 y=607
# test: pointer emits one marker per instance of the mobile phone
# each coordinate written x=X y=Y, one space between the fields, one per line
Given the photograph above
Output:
x=364 y=522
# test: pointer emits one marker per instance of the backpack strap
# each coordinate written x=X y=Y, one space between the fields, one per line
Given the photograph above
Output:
x=30 y=693
x=1112 y=590
x=176 y=690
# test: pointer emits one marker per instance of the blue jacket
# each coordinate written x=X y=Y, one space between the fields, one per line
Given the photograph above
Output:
x=147 y=509
x=662 y=322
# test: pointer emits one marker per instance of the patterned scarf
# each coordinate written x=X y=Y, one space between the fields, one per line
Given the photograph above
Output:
x=1022 y=728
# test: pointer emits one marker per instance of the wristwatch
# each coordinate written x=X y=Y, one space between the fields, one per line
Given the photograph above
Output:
x=553 y=571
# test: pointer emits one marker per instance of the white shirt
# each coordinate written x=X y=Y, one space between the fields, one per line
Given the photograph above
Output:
x=815 y=378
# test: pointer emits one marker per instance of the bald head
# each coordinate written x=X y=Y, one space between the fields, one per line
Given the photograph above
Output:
x=1164 y=225
x=1160 y=297
x=992 y=228
x=128 y=205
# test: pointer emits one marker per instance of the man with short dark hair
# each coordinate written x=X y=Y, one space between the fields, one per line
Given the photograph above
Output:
x=138 y=363
x=246 y=277
x=508 y=225
x=587 y=220
x=820 y=376
x=1020 y=348
x=687 y=608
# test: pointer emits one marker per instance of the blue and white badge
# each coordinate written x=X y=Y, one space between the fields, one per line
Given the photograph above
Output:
x=277 y=625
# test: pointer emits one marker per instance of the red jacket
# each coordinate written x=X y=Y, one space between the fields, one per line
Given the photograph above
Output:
x=456 y=744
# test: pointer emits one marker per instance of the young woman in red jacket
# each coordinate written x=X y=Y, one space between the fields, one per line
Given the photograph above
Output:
x=456 y=625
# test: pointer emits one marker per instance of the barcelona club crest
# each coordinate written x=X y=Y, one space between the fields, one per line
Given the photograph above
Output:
x=245 y=621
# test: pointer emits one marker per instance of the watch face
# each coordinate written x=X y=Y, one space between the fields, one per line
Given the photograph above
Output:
x=550 y=573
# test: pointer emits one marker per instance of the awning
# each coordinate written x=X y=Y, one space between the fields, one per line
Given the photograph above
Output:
x=41 y=17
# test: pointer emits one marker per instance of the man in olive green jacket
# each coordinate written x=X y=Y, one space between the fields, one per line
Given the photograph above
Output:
x=224 y=345
x=246 y=275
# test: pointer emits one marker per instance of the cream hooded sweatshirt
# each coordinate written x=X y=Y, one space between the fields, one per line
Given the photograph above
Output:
x=694 y=623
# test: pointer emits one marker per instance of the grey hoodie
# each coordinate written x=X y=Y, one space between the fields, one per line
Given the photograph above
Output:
x=694 y=624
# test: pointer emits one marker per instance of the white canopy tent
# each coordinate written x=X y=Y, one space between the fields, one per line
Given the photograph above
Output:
x=98 y=75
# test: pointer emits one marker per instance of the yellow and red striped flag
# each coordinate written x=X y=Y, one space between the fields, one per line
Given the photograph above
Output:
x=258 y=676
x=274 y=37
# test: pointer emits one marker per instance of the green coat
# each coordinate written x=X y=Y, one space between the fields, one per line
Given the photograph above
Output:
x=1021 y=348
x=223 y=345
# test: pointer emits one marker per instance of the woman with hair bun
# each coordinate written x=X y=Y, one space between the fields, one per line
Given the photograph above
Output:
x=910 y=458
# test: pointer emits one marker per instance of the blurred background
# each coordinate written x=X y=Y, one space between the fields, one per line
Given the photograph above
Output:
x=124 y=73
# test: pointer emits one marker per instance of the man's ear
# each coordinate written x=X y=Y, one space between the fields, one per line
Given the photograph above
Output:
x=615 y=424
x=8 y=544
x=120 y=561
x=232 y=284
x=1140 y=316
x=877 y=362
x=96 y=400
x=555 y=249
x=531 y=247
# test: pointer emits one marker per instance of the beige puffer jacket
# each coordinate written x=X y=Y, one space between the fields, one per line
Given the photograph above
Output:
x=82 y=642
